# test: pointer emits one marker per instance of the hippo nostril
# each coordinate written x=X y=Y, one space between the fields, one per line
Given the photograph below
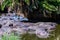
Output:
x=0 y=25
x=10 y=24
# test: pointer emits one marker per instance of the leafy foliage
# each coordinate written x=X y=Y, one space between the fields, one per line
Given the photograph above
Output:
x=51 y=5
x=8 y=3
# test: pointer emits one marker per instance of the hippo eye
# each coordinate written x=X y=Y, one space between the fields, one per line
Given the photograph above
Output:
x=0 y=25
x=46 y=29
x=51 y=24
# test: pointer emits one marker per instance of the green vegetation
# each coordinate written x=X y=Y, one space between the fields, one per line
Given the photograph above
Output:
x=30 y=5
x=45 y=4
x=10 y=37
x=8 y=3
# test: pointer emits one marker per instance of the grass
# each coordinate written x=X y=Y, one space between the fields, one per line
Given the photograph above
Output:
x=10 y=37
x=56 y=36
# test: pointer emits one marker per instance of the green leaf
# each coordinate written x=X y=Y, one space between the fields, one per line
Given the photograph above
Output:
x=49 y=7
x=27 y=2
x=4 y=5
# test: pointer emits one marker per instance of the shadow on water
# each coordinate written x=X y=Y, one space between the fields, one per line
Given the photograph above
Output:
x=37 y=16
x=44 y=19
